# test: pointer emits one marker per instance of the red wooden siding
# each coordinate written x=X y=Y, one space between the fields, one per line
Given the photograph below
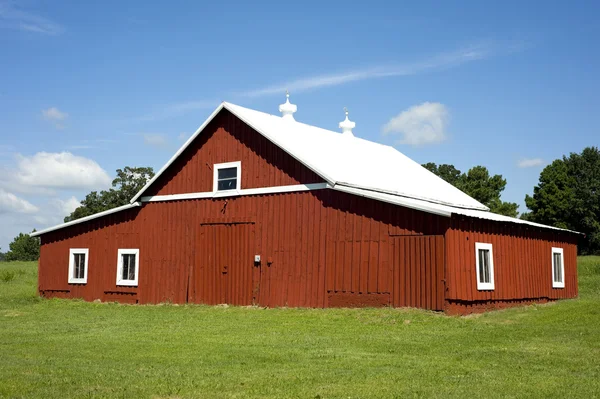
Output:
x=313 y=245
x=522 y=261
x=227 y=139
x=418 y=272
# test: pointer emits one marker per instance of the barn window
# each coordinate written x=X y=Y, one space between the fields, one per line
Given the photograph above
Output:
x=227 y=176
x=485 y=266
x=128 y=267
x=558 y=268
x=78 y=265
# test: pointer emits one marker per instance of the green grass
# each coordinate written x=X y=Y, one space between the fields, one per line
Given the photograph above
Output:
x=62 y=348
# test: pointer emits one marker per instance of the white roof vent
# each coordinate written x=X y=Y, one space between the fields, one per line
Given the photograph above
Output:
x=287 y=110
x=347 y=125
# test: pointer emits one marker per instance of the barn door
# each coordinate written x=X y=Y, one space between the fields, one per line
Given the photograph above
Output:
x=224 y=264
x=418 y=271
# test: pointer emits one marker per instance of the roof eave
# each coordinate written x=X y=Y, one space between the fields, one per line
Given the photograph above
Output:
x=87 y=218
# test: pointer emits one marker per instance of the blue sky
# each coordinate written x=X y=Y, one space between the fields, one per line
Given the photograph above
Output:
x=89 y=87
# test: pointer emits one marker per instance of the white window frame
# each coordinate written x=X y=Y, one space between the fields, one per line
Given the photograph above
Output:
x=484 y=286
x=558 y=284
x=128 y=251
x=72 y=253
x=216 y=167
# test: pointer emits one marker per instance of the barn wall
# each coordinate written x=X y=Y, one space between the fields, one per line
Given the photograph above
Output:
x=228 y=139
x=319 y=248
x=522 y=264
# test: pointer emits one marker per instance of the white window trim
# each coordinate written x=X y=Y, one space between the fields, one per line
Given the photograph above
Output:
x=484 y=286
x=557 y=284
x=128 y=251
x=216 y=167
x=72 y=252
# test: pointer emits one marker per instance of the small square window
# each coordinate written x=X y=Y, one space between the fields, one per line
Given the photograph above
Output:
x=484 y=266
x=227 y=176
x=78 y=265
x=128 y=265
x=558 y=268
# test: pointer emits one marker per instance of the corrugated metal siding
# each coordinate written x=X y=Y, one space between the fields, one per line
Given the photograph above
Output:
x=522 y=261
x=312 y=244
x=227 y=139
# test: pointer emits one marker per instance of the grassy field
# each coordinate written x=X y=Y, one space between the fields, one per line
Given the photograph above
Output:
x=61 y=348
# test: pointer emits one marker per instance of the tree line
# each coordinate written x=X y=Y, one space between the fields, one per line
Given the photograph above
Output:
x=566 y=196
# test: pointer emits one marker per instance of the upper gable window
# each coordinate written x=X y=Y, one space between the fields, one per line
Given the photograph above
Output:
x=484 y=259
x=227 y=176
x=78 y=265
x=558 y=268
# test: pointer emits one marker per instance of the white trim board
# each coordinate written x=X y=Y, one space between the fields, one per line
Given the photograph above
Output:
x=85 y=219
x=235 y=193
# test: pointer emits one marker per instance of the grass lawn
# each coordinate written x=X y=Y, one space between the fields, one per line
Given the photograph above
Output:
x=64 y=348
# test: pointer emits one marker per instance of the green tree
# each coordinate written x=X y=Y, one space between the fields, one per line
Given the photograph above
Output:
x=568 y=196
x=478 y=184
x=24 y=247
x=2 y=256
x=124 y=187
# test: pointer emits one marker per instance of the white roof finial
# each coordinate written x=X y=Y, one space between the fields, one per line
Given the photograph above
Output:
x=287 y=110
x=347 y=125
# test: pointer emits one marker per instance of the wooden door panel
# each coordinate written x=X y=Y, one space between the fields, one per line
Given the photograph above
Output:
x=224 y=263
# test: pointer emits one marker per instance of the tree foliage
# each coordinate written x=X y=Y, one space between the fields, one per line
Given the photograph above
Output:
x=568 y=196
x=24 y=248
x=478 y=184
x=124 y=187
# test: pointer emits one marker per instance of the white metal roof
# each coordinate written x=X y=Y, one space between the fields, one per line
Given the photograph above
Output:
x=346 y=160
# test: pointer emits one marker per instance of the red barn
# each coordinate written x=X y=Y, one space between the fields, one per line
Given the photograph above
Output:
x=261 y=209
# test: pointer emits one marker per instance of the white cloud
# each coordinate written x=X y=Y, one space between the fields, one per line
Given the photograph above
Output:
x=439 y=61
x=182 y=137
x=155 y=140
x=59 y=171
x=56 y=116
x=420 y=124
x=11 y=203
x=530 y=162
x=63 y=207
x=12 y=17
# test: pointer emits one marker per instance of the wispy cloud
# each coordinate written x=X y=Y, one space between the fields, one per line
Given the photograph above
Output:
x=176 y=109
x=155 y=140
x=439 y=61
x=435 y=62
x=56 y=116
x=530 y=162
x=12 y=17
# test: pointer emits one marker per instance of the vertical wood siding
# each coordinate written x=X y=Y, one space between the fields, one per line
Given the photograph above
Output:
x=313 y=245
x=418 y=272
x=522 y=261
